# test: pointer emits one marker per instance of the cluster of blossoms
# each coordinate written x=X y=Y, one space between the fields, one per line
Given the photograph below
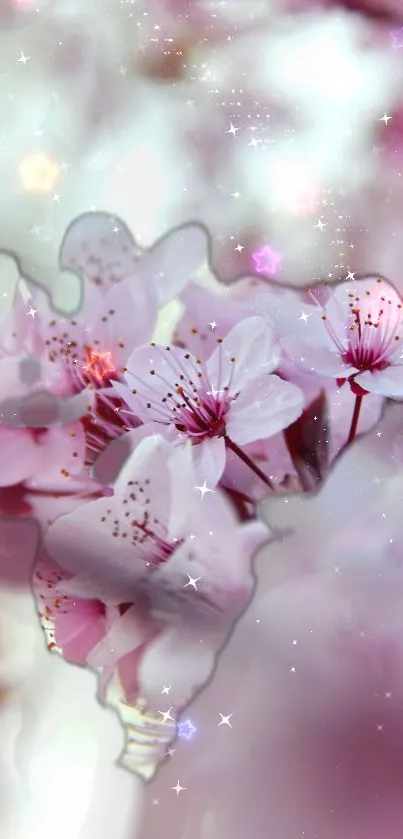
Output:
x=144 y=462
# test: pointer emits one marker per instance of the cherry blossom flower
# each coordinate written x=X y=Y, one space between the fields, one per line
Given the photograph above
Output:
x=356 y=337
x=119 y=310
x=226 y=402
x=125 y=566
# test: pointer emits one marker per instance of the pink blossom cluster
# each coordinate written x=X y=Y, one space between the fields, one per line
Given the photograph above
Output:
x=144 y=462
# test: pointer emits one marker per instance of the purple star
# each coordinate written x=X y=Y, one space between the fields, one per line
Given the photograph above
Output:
x=266 y=261
x=186 y=729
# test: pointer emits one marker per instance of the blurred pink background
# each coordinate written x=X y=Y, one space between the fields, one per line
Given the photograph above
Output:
x=274 y=123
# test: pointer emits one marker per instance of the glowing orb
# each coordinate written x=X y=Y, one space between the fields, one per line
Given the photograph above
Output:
x=38 y=172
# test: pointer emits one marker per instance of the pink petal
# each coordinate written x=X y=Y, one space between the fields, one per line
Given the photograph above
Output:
x=80 y=628
x=252 y=343
x=125 y=317
x=19 y=543
x=264 y=407
x=81 y=543
x=127 y=633
x=388 y=382
x=110 y=462
x=317 y=359
x=154 y=372
x=209 y=460
x=20 y=456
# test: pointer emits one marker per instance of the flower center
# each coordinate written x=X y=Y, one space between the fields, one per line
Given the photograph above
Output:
x=140 y=528
x=200 y=416
x=372 y=330
x=185 y=397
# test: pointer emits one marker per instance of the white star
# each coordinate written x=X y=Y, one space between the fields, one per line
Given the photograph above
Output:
x=204 y=489
x=350 y=275
x=166 y=689
x=56 y=198
x=32 y=312
x=304 y=317
x=294 y=643
x=385 y=119
x=192 y=582
x=239 y=248
x=170 y=752
x=178 y=788
x=23 y=58
x=213 y=324
x=225 y=720
x=232 y=130
x=36 y=230
x=321 y=225
x=235 y=195
x=166 y=715
x=116 y=229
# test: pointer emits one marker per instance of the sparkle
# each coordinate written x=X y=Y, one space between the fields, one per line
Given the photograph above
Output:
x=32 y=312
x=321 y=225
x=385 y=119
x=225 y=720
x=186 y=729
x=266 y=260
x=166 y=689
x=239 y=248
x=23 y=59
x=232 y=130
x=99 y=365
x=304 y=317
x=178 y=788
x=192 y=582
x=350 y=275
x=166 y=715
x=213 y=325
x=204 y=489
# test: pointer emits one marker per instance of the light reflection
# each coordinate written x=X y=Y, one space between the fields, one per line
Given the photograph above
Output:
x=38 y=172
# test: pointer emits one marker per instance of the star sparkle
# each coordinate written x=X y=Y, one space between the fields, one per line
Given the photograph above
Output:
x=267 y=261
